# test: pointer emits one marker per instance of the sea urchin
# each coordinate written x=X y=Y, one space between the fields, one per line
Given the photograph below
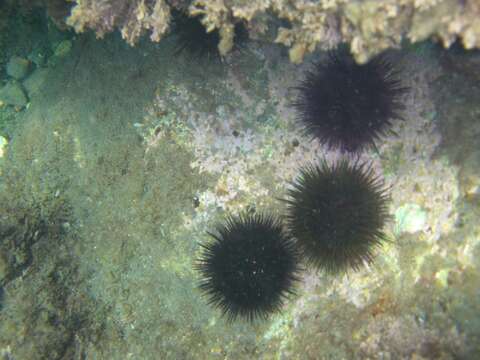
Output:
x=336 y=213
x=348 y=106
x=194 y=40
x=249 y=267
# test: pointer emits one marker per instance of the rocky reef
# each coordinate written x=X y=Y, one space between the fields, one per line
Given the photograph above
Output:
x=121 y=158
x=369 y=27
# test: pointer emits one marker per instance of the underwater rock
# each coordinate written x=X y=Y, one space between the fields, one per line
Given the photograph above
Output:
x=63 y=49
x=369 y=26
x=13 y=94
x=466 y=63
x=3 y=145
x=60 y=52
x=470 y=175
x=3 y=267
x=410 y=218
x=18 y=67
x=38 y=56
x=34 y=82
x=132 y=17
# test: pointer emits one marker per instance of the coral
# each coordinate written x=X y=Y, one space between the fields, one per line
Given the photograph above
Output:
x=368 y=26
x=373 y=26
x=311 y=25
x=249 y=268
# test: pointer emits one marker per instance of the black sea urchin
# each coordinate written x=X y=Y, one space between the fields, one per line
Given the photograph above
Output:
x=249 y=268
x=194 y=39
x=348 y=106
x=336 y=213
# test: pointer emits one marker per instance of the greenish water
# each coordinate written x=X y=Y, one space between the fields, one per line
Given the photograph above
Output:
x=123 y=158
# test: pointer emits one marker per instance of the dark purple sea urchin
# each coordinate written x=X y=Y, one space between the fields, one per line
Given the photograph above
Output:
x=193 y=37
x=348 y=106
x=194 y=40
x=249 y=268
x=336 y=213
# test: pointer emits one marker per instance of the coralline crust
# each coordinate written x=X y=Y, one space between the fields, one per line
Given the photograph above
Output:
x=369 y=26
x=132 y=18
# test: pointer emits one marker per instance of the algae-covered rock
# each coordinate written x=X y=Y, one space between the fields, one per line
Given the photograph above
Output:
x=63 y=49
x=368 y=26
x=60 y=52
x=3 y=145
x=35 y=81
x=18 y=67
x=3 y=267
x=39 y=56
x=410 y=218
x=13 y=94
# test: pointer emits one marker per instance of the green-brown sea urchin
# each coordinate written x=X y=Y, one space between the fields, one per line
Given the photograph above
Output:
x=249 y=267
x=337 y=213
x=348 y=106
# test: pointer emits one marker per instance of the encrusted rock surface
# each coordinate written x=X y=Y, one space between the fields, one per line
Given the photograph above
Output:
x=369 y=27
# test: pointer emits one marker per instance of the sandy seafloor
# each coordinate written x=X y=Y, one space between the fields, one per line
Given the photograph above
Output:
x=100 y=224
